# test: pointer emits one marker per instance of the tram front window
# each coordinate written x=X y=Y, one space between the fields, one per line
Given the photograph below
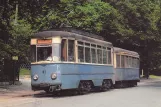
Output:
x=44 y=54
x=33 y=53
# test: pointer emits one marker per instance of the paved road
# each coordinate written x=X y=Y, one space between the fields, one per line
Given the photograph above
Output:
x=147 y=94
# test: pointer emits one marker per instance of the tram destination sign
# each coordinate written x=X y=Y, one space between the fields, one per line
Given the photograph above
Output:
x=44 y=41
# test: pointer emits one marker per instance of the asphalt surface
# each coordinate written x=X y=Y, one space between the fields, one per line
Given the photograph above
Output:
x=146 y=94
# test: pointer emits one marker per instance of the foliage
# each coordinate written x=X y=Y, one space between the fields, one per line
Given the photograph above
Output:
x=130 y=24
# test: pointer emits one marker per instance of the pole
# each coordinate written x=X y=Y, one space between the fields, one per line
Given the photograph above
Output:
x=16 y=14
x=13 y=72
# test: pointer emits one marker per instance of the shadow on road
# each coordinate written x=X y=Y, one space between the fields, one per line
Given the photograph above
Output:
x=68 y=93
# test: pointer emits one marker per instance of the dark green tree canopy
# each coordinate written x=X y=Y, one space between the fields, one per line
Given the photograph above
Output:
x=129 y=24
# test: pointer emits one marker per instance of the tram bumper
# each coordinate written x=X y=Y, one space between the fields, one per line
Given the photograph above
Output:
x=46 y=86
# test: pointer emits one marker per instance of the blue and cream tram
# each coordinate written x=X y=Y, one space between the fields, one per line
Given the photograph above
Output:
x=126 y=64
x=66 y=59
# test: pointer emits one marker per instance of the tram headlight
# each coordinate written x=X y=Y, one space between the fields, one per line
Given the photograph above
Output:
x=35 y=77
x=53 y=76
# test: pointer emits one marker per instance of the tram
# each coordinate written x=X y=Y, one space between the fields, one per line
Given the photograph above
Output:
x=126 y=66
x=71 y=59
x=64 y=60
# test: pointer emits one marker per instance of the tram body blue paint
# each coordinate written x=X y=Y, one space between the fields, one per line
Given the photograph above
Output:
x=126 y=74
x=70 y=74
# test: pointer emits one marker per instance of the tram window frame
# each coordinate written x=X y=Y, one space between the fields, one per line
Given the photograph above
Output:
x=105 y=55
x=64 y=53
x=130 y=62
x=109 y=58
x=87 y=46
x=67 y=50
x=33 y=53
x=93 y=45
x=93 y=59
x=73 y=56
x=138 y=62
x=81 y=54
x=134 y=62
x=118 y=61
x=122 y=61
x=127 y=61
x=48 y=53
x=80 y=43
x=99 y=56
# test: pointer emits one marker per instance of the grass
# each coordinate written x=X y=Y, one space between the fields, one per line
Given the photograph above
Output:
x=24 y=71
x=155 y=77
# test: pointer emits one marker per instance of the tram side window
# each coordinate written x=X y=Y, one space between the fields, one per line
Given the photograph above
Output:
x=118 y=61
x=138 y=63
x=122 y=61
x=64 y=50
x=99 y=54
x=80 y=54
x=126 y=62
x=93 y=53
x=134 y=62
x=104 y=56
x=71 y=49
x=130 y=62
x=109 y=55
x=87 y=55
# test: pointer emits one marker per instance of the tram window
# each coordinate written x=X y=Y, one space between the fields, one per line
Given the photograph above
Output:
x=104 y=57
x=130 y=62
x=126 y=61
x=93 y=45
x=87 y=55
x=118 y=60
x=109 y=57
x=104 y=47
x=122 y=61
x=33 y=53
x=87 y=44
x=44 y=53
x=80 y=54
x=80 y=43
x=64 y=50
x=109 y=49
x=99 y=56
x=138 y=63
x=71 y=50
x=93 y=53
x=133 y=62
x=98 y=46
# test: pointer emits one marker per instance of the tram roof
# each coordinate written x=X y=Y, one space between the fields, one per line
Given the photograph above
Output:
x=69 y=33
x=127 y=52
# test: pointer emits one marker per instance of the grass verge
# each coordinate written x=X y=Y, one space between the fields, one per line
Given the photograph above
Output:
x=155 y=77
x=24 y=71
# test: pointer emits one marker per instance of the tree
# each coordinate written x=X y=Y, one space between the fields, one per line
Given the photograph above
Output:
x=142 y=18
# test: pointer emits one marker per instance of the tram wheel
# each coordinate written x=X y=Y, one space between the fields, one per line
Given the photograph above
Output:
x=47 y=91
x=106 y=85
x=84 y=87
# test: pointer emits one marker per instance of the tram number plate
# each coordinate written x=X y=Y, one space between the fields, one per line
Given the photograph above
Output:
x=44 y=84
